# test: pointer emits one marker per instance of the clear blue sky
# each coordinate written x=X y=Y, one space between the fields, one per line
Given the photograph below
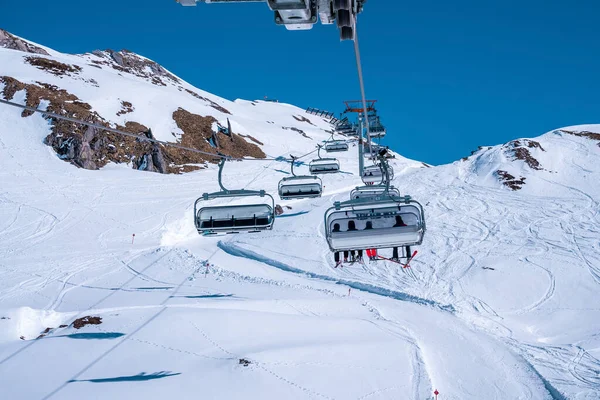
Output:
x=449 y=75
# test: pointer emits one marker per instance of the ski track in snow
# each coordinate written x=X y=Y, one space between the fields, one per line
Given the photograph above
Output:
x=512 y=275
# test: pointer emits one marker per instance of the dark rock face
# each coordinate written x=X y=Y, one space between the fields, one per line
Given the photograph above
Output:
x=88 y=320
x=52 y=66
x=278 y=210
x=12 y=42
x=509 y=180
x=586 y=134
x=519 y=149
x=131 y=63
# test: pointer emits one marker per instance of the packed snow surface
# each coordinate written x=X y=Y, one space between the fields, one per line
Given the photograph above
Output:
x=501 y=301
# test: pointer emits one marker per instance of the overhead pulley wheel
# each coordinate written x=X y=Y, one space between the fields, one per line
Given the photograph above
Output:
x=344 y=18
x=346 y=33
x=341 y=5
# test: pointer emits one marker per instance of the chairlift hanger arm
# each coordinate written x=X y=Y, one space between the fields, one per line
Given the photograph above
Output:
x=303 y=14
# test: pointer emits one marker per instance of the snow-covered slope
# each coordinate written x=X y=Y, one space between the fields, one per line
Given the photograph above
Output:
x=502 y=301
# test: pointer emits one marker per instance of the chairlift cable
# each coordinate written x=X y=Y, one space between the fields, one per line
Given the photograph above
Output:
x=362 y=84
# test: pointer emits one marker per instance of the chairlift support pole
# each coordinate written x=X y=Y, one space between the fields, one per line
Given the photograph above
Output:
x=361 y=161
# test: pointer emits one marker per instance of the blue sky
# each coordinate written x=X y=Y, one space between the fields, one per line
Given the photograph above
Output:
x=448 y=76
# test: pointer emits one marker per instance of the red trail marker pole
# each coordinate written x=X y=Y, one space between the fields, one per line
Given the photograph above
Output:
x=436 y=394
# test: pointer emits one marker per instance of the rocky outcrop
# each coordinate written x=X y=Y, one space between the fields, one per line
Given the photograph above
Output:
x=12 y=42
x=586 y=134
x=126 y=108
x=509 y=180
x=278 y=210
x=198 y=134
x=92 y=148
x=52 y=66
x=519 y=150
x=131 y=63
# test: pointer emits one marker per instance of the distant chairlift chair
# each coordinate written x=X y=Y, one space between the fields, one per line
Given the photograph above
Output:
x=252 y=217
x=376 y=192
x=373 y=175
x=336 y=146
x=300 y=187
x=323 y=165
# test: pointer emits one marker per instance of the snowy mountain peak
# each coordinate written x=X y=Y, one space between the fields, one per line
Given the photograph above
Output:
x=10 y=41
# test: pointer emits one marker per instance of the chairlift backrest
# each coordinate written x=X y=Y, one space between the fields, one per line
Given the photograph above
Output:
x=374 y=193
x=324 y=166
x=300 y=187
x=236 y=218
x=336 y=146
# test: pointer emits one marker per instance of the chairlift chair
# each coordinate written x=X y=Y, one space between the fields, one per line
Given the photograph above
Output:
x=323 y=165
x=336 y=146
x=300 y=187
x=377 y=131
x=393 y=222
x=373 y=174
x=251 y=217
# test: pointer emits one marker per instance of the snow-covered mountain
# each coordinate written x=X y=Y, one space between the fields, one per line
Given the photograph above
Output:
x=500 y=303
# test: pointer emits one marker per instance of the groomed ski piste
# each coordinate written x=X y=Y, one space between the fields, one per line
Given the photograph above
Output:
x=501 y=301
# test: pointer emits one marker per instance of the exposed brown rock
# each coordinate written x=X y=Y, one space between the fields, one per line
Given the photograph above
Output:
x=87 y=320
x=83 y=146
x=509 y=180
x=587 y=134
x=519 y=149
x=52 y=66
x=131 y=63
x=92 y=148
x=126 y=107
x=197 y=132
x=278 y=210
x=301 y=118
x=9 y=41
